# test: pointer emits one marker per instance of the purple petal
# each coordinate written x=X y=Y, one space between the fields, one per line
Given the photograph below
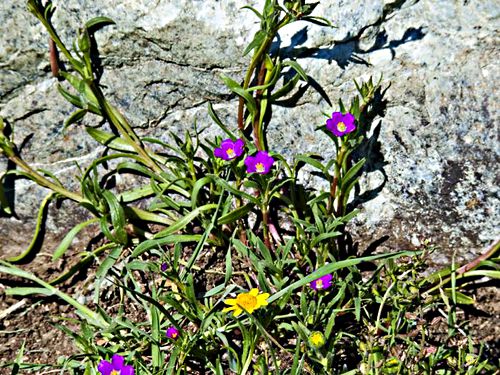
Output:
x=348 y=119
x=172 y=333
x=117 y=361
x=250 y=163
x=127 y=370
x=337 y=116
x=263 y=158
x=227 y=143
x=327 y=278
x=331 y=125
x=220 y=153
x=105 y=367
x=238 y=147
x=312 y=284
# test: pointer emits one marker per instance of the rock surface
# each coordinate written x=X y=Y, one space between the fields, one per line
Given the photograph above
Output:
x=437 y=173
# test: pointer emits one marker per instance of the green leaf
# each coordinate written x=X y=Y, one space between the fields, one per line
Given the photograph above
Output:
x=257 y=40
x=460 y=298
x=117 y=217
x=311 y=161
x=214 y=290
x=329 y=268
x=229 y=266
x=352 y=172
x=75 y=117
x=217 y=120
x=82 y=264
x=236 y=214
x=4 y=203
x=182 y=222
x=26 y=291
x=324 y=236
x=295 y=65
x=257 y=13
x=138 y=214
x=110 y=140
x=238 y=90
x=197 y=187
x=221 y=182
x=285 y=89
x=38 y=235
x=88 y=314
x=317 y=21
x=68 y=239
x=173 y=239
x=98 y=23
x=73 y=99
x=483 y=273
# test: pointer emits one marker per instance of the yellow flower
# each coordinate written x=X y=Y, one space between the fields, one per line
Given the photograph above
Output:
x=250 y=302
x=317 y=340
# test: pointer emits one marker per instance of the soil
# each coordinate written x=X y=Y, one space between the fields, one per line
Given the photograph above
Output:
x=33 y=321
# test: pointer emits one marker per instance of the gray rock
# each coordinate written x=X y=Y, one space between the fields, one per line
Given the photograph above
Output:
x=438 y=139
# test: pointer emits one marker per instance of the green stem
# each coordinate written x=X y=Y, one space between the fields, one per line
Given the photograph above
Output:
x=334 y=186
x=42 y=181
x=248 y=361
x=126 y=130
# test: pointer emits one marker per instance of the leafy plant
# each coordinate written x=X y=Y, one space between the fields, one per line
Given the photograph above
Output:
x=236 y=231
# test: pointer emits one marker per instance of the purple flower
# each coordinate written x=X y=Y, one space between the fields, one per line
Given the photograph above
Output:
x=324 y=282
x=163 y=267
x=341 y=124
x=116 y=367
x=172 y=333
x=261 y=163
x=229 y=149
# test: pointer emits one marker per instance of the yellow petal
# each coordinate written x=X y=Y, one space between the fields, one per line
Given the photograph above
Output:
x=254 y=292
x=251 y=310
x=230 y=301
x=263 y=296
x=237 y=311
x=229 y=308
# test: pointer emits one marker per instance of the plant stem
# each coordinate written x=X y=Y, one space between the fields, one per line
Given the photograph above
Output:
x=42 y=181
x=256 y=59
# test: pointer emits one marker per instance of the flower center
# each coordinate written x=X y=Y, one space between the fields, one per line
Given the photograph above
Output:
x=259 y=167
x=230 y=153
x=319 y=284
x=341 y=127
x=114 y=372
x=317 y=339
x=247 y=301
x=173 y=335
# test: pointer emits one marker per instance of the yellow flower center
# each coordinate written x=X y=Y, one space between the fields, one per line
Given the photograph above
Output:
x=317 y=339
x=341 y=127
x=114 y=372
x=319 y=284
x=259 y=167
x=230 y=153
x=247 y=301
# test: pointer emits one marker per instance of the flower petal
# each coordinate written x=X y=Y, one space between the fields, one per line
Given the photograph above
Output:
x=239 y=147
x=254 y=292
x=230 y=301
x=262 y=300
x=237 y=311
x=219 y=153
x=105 y=367
x=127 y=370
x=226 y=309
x=117 y=361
